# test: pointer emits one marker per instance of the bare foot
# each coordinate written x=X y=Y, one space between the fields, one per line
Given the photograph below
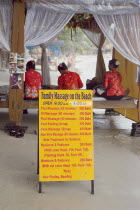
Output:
x=126 y=92
x=93 y=92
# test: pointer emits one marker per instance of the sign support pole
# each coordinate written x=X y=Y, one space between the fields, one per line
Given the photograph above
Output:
x=38 y=147
x=38 y=155
x=92 y=186
x=40 y=187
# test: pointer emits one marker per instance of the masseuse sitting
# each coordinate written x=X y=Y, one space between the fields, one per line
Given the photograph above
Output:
x=33 y=81
x=112 y=83
x=68 y=80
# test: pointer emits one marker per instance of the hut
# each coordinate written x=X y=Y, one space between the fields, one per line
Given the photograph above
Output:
x=38 y=22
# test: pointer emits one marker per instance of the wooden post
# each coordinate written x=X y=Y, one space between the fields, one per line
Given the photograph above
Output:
x=17 y=44
x=139 y=106
x=16 y=104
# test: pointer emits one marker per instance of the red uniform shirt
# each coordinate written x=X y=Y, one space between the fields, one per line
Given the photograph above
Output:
x=33 y=82
x=112 y=82
x=70 y=81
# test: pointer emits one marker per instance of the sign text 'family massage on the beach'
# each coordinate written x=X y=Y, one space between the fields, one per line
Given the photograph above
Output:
x=65 y=135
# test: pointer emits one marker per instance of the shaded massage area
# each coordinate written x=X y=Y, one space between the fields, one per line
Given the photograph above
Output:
x=105 y=23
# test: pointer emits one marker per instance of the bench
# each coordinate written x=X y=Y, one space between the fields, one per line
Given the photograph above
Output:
x=98 y=103
x=16 y=105
x=125 y=103
x=4 y=101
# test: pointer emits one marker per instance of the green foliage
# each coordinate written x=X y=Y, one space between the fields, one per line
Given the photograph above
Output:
x=78 y=43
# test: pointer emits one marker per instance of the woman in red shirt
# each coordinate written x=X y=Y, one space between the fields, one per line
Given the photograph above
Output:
x=112 y=83
x=33 y=81
x=68 y=80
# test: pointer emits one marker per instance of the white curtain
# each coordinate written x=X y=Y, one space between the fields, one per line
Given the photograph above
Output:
x=118 y=19
x=92 y=6
x=41 y=27
x=124 y=32
x=35 y=28
x=97 y=38
x=6 y=11
x=45 y=66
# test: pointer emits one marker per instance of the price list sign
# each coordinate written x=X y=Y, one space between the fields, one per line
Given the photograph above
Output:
x=65 y=135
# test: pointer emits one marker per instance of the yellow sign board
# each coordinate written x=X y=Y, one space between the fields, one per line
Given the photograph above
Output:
x=65 y=135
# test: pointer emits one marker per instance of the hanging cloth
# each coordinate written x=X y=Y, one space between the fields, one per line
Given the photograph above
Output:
x=6 y=12
x=97 y=38
x=123 y=31
x=41 y=27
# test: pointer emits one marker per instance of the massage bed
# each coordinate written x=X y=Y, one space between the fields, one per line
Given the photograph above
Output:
x=125 y=103
x=98 y=103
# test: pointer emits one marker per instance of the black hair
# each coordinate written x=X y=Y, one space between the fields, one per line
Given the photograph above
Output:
x=31 y=64
x=62 y=66
x=113 y=62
